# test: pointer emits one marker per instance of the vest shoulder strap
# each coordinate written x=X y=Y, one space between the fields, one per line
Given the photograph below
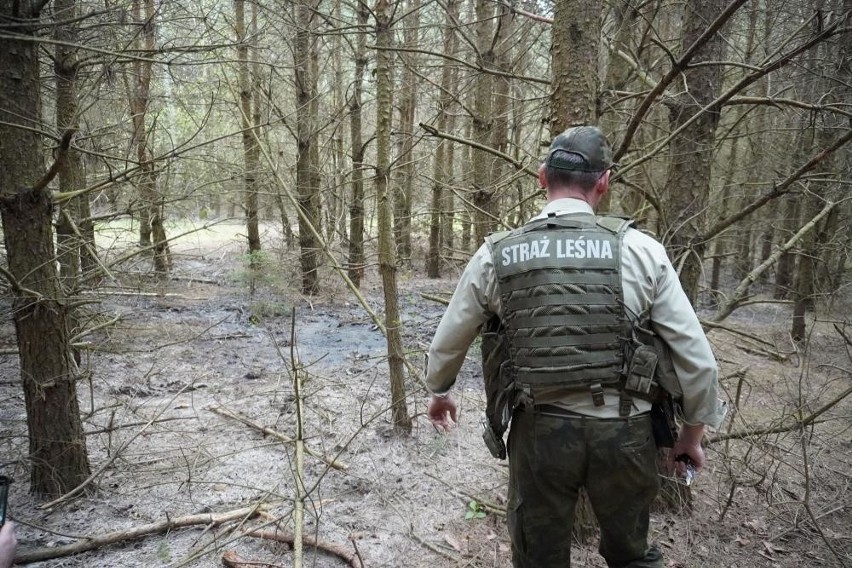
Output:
x=496 y=237
x=614 y=223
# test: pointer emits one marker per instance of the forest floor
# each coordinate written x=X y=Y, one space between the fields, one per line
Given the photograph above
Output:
x=185 y=356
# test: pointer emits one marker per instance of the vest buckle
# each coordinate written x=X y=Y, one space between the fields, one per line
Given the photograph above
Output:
x=625 y=405
x=597 y=394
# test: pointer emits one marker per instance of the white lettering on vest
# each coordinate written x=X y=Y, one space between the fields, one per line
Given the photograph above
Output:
x=583 y=248
x=522 y=252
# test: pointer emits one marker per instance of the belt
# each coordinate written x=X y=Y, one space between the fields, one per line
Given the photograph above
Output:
x=559 y=412
x=553 y=410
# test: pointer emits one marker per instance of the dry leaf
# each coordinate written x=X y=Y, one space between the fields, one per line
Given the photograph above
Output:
x=453 y=541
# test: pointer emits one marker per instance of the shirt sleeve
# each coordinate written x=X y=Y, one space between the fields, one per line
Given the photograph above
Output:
x=473 y=302
x=674 y=320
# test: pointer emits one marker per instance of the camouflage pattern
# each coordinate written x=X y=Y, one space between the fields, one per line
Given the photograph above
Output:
x=551 y=456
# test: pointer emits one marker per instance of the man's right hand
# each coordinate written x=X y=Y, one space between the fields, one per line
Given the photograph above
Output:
x=442 y=412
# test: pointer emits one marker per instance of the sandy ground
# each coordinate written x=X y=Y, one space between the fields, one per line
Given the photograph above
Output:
x=186 y=351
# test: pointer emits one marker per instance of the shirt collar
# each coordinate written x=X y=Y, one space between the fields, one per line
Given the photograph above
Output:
x=564 y=206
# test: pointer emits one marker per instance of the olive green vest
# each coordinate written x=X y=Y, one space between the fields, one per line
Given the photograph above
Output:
x=559 y=280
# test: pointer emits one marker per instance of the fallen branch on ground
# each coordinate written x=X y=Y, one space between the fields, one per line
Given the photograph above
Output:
x=456 y=560
x=93 y=542
x=336 y=464
x=439 y=299
x=499 y=510
x=232 y=560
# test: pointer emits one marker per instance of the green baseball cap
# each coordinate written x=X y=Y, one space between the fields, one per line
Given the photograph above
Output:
x=585 y=142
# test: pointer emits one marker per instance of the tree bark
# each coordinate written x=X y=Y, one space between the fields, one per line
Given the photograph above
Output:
x=307 y=179
x=483 y=190
x=57 y=447
x=65 y=69
x=575 y=44
x=387 y=257
x=406 y=157
x=441 y=165
x=151 y=226
x=690 y=166
x=356 y=204
x=251 y=154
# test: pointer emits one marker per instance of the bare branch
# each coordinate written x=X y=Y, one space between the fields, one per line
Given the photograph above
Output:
x=730 y=305
x=61 y=154
x=677 y=67
x=464 y=63
x=777 y=190
x=520 y=166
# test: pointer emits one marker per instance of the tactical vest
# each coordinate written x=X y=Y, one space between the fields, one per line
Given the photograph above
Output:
x=559 y=280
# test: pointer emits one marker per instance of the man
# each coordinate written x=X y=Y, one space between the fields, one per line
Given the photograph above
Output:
x=569 y=288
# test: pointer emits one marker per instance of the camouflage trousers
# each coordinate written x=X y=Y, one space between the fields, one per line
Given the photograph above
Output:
x=550 y=457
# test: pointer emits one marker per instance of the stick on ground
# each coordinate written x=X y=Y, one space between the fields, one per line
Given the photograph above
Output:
x=93 y=542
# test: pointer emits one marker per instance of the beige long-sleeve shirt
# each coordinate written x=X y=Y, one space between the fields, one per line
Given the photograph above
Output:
x=649 y=282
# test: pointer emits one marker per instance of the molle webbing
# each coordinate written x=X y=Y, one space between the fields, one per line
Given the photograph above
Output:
x=560 y=284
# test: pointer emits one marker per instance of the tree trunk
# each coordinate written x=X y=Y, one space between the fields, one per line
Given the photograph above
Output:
x=406 y=157
x=441 y=165
x=574 y=51
x=356 y=204
x=690 y=168
x=387 y=257
x=483 y=189
x=57 y=448
x=307 y=180
x=74 y=234
x=251 y=151
x=152 y=231
x=501 y=108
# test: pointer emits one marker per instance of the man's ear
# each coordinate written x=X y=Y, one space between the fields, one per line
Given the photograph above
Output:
x=602 y=184
x=542 y=180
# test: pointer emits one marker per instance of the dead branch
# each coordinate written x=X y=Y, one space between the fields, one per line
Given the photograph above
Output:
x=336 y=464
x=720 y=101
x=741 y=290
x=464 y=63
x=796 y=425
x=842 y=333
x=498 y=510
x=735 y=331
x=799 y=526
x=778 y=189
x=160 y=527
x=350 y=558
x=144 y=294
x=233 y=560
x=77 y=490
x=438 y=550
x=91 y=330
x=135 y=424
x=61 y=154
x=676 y=68
x=520 y=166
x=439 y=299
